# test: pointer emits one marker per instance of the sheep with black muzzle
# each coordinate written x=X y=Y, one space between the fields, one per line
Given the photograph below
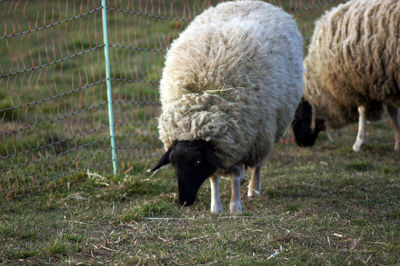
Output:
x=352 y=69
x=230 y=87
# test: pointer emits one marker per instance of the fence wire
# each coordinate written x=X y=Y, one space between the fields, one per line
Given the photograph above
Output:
x=53 y=99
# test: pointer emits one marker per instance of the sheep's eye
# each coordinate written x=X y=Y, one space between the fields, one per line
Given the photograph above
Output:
x=197 y=162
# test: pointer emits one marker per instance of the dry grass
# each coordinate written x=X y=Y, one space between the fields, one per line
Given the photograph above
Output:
x=324 y=205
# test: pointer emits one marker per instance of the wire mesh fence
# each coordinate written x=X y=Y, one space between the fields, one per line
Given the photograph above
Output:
x=53 y=98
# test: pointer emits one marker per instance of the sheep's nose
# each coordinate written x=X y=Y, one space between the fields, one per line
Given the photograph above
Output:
x=186 y=201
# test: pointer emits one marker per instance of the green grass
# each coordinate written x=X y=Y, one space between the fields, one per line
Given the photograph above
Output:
x=38 y=110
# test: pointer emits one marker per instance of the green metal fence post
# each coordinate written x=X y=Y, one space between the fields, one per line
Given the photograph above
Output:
x=108 y=80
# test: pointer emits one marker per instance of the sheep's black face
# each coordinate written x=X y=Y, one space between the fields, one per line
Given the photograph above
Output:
x=303 y=133
x=192 y=168
x=193 y=162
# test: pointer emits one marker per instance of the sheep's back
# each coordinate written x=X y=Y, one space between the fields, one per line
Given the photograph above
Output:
x=354 y=59
x=234 y=78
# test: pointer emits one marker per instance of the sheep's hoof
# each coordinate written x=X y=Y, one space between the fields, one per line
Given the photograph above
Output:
x=252 y=193
x=357 y=147
x=235 y=208
x=216 y=209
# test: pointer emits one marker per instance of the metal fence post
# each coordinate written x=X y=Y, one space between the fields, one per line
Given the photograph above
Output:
x=108 y=80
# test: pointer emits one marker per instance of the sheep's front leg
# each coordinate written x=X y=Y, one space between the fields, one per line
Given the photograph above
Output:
x=394 y=115
x=362 y=134
x=235 y=205
x=255 y=183
x=216 y=206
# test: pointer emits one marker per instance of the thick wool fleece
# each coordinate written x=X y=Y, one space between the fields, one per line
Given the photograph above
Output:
x=353 y=60
x=234 y=78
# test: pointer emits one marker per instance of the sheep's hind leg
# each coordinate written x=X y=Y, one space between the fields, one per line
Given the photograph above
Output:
x=216 y=206
x=362 y=134
x=394 y=115
x=255 y=183
x=235 y=205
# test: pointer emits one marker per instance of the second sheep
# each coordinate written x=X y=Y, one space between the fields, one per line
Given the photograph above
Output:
x=352 y=69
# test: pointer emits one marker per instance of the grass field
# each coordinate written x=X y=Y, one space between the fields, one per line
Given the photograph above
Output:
x=322 y=205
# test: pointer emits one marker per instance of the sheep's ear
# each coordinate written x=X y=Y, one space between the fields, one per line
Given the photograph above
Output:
x=163 y=161
x=212 y=158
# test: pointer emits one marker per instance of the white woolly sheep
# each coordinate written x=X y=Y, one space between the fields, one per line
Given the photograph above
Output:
x=230 y=87
x=352 y=69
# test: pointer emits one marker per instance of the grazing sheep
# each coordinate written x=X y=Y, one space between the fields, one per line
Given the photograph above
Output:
x=230 y=87
x=352 y=69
